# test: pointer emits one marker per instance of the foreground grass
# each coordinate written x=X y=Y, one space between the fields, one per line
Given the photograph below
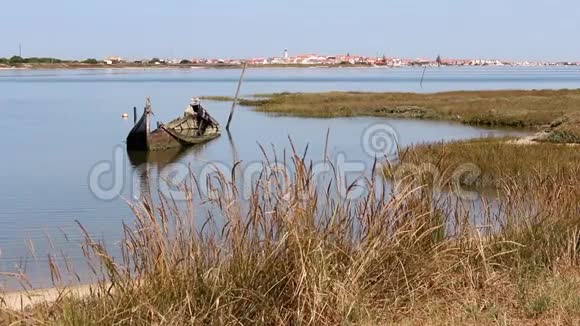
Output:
x=556 y=110
x=299 y=256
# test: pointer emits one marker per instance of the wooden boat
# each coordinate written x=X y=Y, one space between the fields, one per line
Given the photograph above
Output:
x=181 y=132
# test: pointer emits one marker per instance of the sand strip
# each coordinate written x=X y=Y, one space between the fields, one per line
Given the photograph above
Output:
x=22 y=299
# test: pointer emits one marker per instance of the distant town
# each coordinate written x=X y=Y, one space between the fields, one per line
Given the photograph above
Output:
x=284 y=60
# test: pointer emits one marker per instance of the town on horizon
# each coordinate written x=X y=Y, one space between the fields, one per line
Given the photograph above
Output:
x=312 y=59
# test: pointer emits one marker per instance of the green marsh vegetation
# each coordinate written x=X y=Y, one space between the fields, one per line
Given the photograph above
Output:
x=218 y=98
x=16 y=60
x=497 y=160
x=555 y=110
x=90 y=61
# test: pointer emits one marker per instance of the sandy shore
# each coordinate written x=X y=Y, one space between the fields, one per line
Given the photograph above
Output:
x=23 y=299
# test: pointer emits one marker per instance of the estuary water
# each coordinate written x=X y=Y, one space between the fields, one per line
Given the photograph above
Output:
x=61 y=129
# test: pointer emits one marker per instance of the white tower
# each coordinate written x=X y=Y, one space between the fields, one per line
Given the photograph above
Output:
x=285 y=54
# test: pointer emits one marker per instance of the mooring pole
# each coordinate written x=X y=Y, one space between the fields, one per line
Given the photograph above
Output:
x=236 y=97
x=134 y=115
x=422 y=76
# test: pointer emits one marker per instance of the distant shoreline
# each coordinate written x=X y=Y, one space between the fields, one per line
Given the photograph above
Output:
x=80 y=66
x=65 y=66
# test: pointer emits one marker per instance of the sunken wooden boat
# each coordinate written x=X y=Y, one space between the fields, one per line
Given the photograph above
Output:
x=181 y=132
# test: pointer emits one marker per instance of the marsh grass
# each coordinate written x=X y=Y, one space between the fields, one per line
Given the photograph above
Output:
x=218 y=98
x=496 y=159
x=538 y=109
x=298 y=256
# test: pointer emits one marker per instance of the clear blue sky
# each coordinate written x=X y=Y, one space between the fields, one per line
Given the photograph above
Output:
x=505 y=29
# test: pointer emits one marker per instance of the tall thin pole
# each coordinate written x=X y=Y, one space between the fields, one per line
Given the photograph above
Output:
x=236 y=97
x=423 y=76
x=20 y=50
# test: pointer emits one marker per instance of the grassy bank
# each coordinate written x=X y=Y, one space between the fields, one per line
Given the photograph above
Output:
x=217 y=98
x=558 y=111
x=300 y=257
x=495 y=161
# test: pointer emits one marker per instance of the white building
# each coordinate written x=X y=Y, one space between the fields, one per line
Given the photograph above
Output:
x=112 y=60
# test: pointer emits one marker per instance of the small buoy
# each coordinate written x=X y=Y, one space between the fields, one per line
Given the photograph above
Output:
x=125 y=115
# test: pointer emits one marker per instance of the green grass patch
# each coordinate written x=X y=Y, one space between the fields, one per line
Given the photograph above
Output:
x=538 y=109
x=218 y=98
x=496 y=160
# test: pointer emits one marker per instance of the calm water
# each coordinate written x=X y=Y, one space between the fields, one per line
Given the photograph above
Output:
x=57 y=126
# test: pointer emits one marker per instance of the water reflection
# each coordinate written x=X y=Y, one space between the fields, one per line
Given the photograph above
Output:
x=142 y=160
x=149 y=166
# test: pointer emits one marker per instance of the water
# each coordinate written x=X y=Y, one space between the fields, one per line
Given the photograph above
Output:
x=57 y=126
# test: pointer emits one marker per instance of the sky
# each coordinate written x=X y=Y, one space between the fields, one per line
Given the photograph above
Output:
x=500 y=29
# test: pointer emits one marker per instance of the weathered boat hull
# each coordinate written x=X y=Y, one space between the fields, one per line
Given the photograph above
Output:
x=181 y=132
x=162 y=138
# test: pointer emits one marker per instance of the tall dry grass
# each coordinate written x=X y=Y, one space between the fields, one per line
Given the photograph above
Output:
x=297 y=256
